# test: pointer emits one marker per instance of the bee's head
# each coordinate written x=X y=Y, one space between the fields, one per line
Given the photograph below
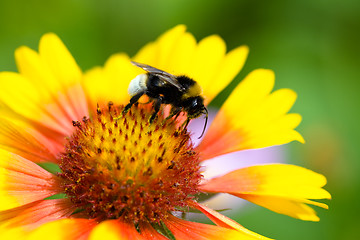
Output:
x=195 y=107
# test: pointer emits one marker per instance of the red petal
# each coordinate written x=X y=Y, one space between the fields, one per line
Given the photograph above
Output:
x=22 y=181
x=149 y=233
x=182 y=229
x=224 y=221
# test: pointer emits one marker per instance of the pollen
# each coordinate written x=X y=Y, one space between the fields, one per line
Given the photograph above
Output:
x=119 y=166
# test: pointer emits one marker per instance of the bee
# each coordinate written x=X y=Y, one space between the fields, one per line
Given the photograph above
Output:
x=181 y=92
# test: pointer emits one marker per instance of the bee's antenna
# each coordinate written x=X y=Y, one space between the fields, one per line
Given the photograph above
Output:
x=206 y=120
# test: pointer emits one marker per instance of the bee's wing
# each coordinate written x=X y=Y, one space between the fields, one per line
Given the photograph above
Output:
x=171 y=79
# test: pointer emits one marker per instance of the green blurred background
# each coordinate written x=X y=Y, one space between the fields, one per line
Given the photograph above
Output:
x=313 y=47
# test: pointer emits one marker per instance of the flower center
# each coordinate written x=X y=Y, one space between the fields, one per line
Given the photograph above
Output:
x=120 y=166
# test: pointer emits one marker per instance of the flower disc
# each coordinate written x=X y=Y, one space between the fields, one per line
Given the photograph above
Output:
x=120 y=166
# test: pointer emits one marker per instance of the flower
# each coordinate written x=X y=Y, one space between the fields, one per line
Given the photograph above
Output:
x=120 y=177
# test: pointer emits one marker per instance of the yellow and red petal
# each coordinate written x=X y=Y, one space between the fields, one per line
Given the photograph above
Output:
x=47 y=89
x=114 y=230
x=282 y=188
x=224 y=221
x=252 y=118
x=67 y=74
x=64 y=229
x=36 y=213
x=22 y=181
x=21 y=138
x=23 y=97
x=182 y=230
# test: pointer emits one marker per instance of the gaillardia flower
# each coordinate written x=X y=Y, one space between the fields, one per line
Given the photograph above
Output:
x=120 y=177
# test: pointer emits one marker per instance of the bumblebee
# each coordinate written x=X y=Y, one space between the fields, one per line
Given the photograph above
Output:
x=181 y=92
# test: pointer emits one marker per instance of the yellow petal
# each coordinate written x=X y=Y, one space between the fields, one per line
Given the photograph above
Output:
x=32 y=67
x=12 y=233
x=251 y=91
x=284 y=122
x=96 y=93
x=23 y=97
x=166 y=44
x=65 y=229
x=272 y=137
x=292 y=208
x=206 y=63
x=59 y=60
x=227 y=71
x=179 y=63
x=158 y=53
x=111 y=82
x=120 y=72
x=147 y=54
x=275 y=105
x=114 y=230
x=279 y=187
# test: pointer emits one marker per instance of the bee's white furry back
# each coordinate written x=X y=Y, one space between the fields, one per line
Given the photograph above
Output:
x=138 y=84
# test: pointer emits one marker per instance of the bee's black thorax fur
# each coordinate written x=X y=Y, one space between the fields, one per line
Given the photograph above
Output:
x=189 y=101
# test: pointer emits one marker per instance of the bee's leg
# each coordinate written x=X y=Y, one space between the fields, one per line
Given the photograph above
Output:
x=185 y=124
x=133 y=100
x=157 y=104
x=175 y=111
x=177 y=115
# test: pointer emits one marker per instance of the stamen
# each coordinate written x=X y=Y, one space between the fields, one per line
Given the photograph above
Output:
x=120 y=166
